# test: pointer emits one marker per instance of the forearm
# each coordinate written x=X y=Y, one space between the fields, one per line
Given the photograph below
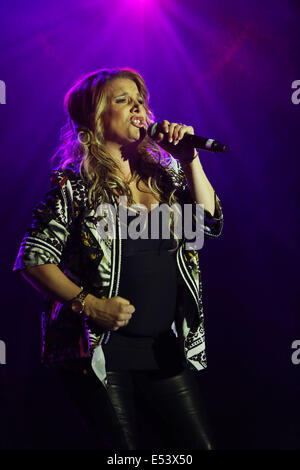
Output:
x=200 y=188
x=49 y=280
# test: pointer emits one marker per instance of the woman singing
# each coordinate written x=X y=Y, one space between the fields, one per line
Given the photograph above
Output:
x=123 y=316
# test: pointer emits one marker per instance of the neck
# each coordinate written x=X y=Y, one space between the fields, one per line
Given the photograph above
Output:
x=123 y=157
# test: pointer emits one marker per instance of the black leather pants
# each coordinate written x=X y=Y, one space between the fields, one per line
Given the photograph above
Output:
x=167 y=406
x=174 y=401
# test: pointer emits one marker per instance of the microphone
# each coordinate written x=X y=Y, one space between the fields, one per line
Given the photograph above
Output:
x=188 y=140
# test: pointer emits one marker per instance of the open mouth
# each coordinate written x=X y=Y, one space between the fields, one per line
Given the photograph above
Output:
x=138 y=121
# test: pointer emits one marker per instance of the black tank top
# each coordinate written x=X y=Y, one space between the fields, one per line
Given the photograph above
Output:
x=148 y=281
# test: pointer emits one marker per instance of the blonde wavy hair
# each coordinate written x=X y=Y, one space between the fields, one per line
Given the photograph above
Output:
x=82 y=149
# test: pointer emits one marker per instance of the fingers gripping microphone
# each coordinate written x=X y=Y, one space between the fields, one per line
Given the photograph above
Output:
x=188 y=140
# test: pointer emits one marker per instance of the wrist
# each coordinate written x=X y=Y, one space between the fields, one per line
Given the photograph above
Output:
x=188 y=162
x=89 y=304
x=77 y=303
x=93 y=305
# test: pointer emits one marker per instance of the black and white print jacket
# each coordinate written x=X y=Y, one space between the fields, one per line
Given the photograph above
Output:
x=64 y=232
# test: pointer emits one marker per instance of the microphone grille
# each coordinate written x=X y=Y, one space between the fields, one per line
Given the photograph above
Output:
x=152 y=129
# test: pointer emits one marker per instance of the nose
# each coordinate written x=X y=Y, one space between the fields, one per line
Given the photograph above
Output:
x=136 y=105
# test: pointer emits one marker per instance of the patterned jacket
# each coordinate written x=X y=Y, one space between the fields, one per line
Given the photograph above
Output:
x=64 y=232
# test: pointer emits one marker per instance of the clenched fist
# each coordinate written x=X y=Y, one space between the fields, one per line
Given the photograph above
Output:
x=110 y=313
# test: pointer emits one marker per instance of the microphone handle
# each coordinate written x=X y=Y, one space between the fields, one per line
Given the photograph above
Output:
x=204 y=144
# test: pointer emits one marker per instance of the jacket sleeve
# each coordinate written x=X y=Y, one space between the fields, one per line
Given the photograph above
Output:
x=212 y=224
x=48 y=233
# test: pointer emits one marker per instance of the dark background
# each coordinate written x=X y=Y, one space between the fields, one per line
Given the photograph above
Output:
x=225 y=67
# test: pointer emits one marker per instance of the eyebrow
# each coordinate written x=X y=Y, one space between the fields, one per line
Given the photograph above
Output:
x=125 y=94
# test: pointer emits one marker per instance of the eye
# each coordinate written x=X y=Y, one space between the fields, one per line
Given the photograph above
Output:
x=124 y=100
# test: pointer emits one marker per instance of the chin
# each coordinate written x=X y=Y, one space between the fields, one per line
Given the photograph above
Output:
x=136 y=139
x=141 y=134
